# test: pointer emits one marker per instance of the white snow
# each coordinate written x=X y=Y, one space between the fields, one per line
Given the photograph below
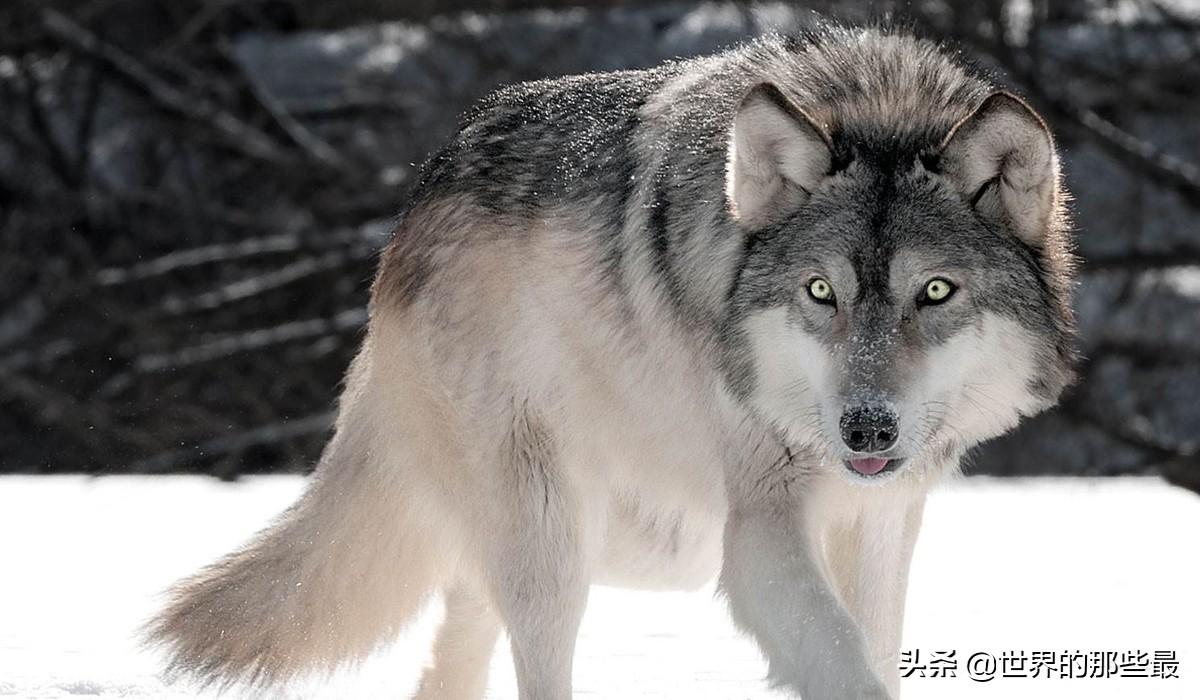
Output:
x=1002 y=565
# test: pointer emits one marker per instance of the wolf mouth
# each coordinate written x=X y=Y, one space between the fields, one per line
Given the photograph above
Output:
x=872 y=467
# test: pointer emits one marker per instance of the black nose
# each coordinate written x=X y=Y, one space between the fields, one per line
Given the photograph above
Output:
x=869 y=428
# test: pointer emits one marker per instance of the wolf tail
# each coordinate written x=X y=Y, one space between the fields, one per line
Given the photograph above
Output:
x=337 y=575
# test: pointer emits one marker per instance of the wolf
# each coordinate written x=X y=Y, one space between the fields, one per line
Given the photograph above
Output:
x=727 y=317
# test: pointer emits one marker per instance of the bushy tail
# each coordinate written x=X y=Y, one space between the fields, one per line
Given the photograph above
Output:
x=337 y=575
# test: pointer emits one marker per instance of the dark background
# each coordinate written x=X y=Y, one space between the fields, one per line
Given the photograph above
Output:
x=193 y=193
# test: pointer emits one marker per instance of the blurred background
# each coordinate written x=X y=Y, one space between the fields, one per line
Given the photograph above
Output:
x=193 y=194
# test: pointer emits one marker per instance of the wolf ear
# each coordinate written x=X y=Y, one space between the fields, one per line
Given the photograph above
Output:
x=1002 y=159
x=777 y=156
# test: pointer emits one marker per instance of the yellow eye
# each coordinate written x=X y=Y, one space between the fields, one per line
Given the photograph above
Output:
x=937 y=290
x=820 y=290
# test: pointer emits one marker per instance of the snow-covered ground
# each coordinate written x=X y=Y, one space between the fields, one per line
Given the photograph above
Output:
x=1044 y=565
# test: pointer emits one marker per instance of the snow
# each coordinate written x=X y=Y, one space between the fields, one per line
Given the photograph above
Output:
x=1088 y=565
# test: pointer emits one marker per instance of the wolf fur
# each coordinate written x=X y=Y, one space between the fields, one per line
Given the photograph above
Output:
x=596 y=354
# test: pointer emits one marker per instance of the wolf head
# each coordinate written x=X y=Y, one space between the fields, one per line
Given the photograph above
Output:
x=901 y=297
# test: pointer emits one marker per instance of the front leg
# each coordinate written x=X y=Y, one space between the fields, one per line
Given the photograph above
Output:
x=778 y=594
x=870 y=559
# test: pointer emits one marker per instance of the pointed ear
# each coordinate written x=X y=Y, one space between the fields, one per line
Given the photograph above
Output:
x=1002 y=159
x=777 y=156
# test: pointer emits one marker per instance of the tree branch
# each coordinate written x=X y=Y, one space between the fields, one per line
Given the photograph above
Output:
x=222 y=445
x=235 y=132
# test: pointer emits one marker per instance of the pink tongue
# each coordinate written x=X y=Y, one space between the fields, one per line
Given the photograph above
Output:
x=869 y=465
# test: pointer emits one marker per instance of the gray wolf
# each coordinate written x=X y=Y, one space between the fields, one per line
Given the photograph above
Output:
x=730 y=317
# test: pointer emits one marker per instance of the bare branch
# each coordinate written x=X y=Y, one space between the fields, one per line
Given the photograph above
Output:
x=1182 y=175
x=89 y=423
x=233 y=344
x=260 y=284
x=237 y=133
x=1149 y=354
x=1137 y=261
x=192 y=257
x=269 y=434
x=56 y=156
x=47 y=353
x=318 y=149
x=224 y=252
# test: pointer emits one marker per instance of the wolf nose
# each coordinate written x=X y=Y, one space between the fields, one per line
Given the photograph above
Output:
x=869 y=428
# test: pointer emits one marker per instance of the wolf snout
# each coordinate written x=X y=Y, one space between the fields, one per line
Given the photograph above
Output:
x=869 y=428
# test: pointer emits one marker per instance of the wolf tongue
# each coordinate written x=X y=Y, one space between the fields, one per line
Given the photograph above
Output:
x=868 y=465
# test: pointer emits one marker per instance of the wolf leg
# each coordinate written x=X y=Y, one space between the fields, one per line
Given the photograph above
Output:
x=778 y=593
x=870 y=560
x=539 y=569
x=463 y=648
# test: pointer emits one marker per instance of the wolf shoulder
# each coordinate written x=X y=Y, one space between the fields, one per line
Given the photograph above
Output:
x=540 y=144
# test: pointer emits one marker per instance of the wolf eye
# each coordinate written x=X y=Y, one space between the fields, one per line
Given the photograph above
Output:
x=937 y=290
x=821 y=290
